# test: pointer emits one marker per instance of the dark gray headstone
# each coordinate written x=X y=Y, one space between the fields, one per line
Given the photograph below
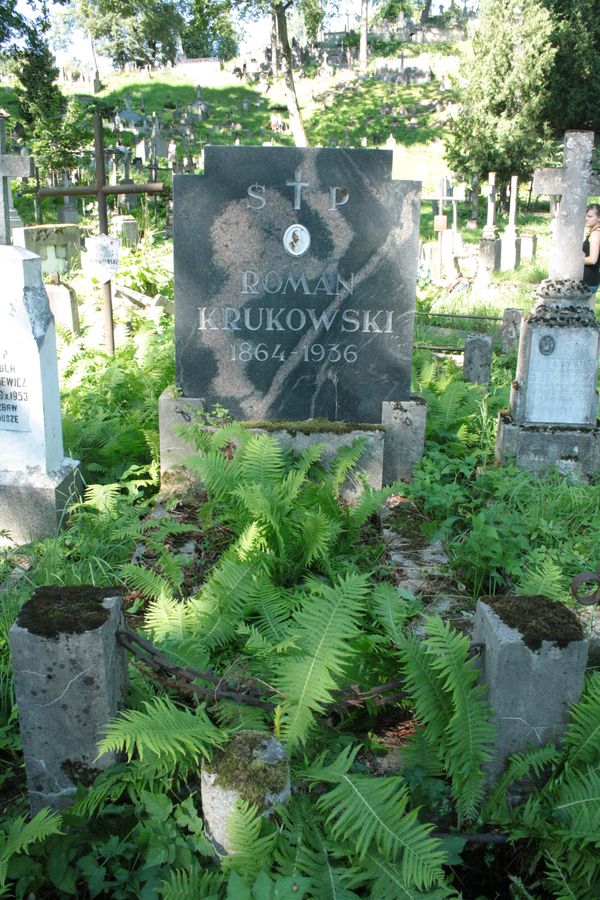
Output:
x=295 y=279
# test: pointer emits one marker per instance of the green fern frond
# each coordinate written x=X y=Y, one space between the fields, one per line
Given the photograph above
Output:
x=262 y=460
x=579 y=801
x=104 y=498
x=520 y=766
x=546 y=580
x=239 y=716
x=169 y=619
x=251 y=540
x=123 y=778
x=218 y=608
x=308 y=457
x=22 y=834
x=392 y=610
x=164 y=730
x=389 y=882
x=252 y=848
x=219 y=475
x=371 y=813
x=346 y=459
x=232 y=433
x=582 y=738
x=320 y=771
x=469 y=731
x=317 y=535
x=192 y=883
x=272 y=606
x=147 y=582
x=325 y=625
x=431 y=700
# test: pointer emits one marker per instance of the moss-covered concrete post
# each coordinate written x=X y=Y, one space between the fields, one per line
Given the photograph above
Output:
x=70 y=677
x=251 y=766
x=533 y=665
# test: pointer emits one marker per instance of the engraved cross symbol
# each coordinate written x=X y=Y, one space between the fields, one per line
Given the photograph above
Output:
x=10 y=167
x=575 y=182
x=297 y=184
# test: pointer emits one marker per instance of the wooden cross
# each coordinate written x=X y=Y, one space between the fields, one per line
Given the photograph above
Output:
x=100 y=190
x=575 y=182
x=10 y=167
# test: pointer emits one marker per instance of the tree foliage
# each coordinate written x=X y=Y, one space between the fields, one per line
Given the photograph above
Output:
x=209 y=30
x=572 y=97
x=501 y=126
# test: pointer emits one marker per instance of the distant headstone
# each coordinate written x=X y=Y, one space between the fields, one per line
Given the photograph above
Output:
x=101 y=259
x=295 y=282
x=552 y=419
x=68 y=213
x=489 y=246
x=59 y=246
x=477 y=363
x=63 y=305
x=128 y=116
x=36 y=479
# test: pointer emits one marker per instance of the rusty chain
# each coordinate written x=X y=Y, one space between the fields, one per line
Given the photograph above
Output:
x=246 y=690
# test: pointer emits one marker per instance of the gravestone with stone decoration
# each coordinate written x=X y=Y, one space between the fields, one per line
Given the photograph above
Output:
x=36 y=478
x=552 y=420
x=295 y=276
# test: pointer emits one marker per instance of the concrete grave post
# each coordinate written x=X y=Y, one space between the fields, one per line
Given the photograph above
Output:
x=63 y=305
x=68 y=214
x=10 y=167
x=404 y=422
x=314 y=316
x=552 y=420
x=58 y=246
x=510 y=241
x=477 y=361
x=489 y=245
x=36 y=479
x=70 y=678
x=533 y=665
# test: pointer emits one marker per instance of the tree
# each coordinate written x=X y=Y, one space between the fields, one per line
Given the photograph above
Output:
x=209 y=30
x=572 y=99
x=54 y=124
x=500 y=126
x=134 y=32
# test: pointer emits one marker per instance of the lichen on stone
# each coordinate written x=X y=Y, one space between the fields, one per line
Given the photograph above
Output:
x=313 y=426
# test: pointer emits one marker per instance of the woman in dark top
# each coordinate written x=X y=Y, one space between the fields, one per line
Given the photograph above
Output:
x=591 y=247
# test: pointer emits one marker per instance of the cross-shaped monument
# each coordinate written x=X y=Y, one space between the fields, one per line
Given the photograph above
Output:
x=10 y=167
x=575 y=182
x=101 y=190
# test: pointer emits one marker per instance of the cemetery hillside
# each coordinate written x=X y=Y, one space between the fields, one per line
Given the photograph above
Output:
x=299 y=450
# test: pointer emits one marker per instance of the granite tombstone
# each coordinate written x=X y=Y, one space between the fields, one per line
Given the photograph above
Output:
x=295 y=276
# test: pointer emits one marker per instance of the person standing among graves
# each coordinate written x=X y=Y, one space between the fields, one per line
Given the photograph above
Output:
x=591 y=247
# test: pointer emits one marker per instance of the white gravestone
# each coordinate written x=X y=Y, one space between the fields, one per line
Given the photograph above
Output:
x=552 y=420
x=36 y=479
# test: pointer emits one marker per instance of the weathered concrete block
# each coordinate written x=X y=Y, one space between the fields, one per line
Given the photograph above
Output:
x=510 y=251
x=477 y=362
x=252 y=766
x=511 y=329
x=63 y=306
x=404 y=422
x=70 y=677
x=528 y=246
x=174 y=450
x=33 y=504
x=490 y=252
x=570 y=449
x=533 y=665
x=127 y=230
x=59 y=246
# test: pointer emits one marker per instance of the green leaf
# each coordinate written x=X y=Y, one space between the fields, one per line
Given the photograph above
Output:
x=158 y=806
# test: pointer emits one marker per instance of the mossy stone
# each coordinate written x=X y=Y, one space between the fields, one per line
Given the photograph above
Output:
x=313 y=426
x=73 y=609
x=253 y=764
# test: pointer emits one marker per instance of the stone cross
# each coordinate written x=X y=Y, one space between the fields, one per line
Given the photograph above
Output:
x=10 y=167
x=490 y=230
x=575 y=182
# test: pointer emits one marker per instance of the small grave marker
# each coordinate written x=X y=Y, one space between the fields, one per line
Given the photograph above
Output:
x=10 y=167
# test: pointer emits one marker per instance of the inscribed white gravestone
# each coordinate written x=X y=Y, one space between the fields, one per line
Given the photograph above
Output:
x=552 y=419
x=36 y=479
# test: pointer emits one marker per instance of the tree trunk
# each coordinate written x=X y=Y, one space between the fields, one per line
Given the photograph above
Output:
x=296 y=123
x=475 y=194
x=363 y=53
x=425 y=12
x=274 y=45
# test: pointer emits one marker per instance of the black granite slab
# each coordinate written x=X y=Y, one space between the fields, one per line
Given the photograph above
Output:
x=276 y=333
